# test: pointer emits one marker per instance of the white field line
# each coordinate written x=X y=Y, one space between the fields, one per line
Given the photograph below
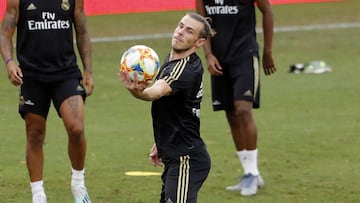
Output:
x=318 y=27
x=276 y=29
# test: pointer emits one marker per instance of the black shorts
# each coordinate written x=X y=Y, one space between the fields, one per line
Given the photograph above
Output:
x=183 y=177
x=36 y=96
x=240 y=81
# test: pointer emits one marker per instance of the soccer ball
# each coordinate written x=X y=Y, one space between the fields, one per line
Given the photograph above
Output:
x=141 y=60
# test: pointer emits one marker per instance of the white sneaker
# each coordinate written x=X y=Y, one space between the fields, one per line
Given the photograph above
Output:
x=40 y=198
x=250 y=184
x=240 y=184
x=80 y=194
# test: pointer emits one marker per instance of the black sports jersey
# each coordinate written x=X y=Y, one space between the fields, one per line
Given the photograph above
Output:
x=234 y=23
x=45 y=47
x=176 y=120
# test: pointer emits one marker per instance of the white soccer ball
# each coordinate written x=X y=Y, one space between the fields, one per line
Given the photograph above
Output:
x=141 y=60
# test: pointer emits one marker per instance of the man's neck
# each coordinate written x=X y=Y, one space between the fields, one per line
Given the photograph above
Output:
x=179 y=55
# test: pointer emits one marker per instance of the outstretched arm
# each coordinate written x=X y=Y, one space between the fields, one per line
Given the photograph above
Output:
x=141 y=91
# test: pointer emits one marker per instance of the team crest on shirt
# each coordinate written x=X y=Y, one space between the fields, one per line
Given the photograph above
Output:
x=65 y=5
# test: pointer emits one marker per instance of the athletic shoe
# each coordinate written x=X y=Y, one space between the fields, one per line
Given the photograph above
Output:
x=315 y=67
x=80 y=194
x=296 y=68
x=250 y=184
x=240 y=184
x=40 y=198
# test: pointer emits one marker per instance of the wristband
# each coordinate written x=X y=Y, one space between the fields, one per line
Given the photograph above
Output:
x=8 y=60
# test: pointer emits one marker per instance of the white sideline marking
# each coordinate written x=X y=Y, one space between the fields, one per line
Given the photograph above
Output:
x=276 y=29
x=317 y=27
x=131 y=37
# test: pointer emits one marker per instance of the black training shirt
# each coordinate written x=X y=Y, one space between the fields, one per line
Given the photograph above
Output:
x=176 y=120
x=45 y=46
x=234 y=23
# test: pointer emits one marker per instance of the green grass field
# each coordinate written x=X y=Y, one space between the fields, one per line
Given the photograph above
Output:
x=308 y=125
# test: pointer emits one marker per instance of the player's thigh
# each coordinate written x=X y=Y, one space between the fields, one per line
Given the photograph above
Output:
x=221 y=92
x=35 y=97
x=246 y=79
x=185 y=176
x=200 y=165
x=72 y=110
x=35 y=128
x=68 y=98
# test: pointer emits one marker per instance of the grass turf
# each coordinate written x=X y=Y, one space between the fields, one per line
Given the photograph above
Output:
x=308 y=124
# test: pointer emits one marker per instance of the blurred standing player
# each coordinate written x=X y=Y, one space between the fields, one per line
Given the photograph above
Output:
x=233 y=60
x=176 y=96
x=48 y=71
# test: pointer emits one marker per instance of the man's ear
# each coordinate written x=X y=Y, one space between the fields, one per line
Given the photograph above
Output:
x=200 y=42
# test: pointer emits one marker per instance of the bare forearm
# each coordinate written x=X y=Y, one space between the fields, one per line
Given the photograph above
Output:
x=84 y=47
x=6 y=47
x=158 y=89
x=144 y=95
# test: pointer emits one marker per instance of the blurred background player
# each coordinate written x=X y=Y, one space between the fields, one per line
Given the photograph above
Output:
x=176 y=96
x=233 y=60
x=47 y=71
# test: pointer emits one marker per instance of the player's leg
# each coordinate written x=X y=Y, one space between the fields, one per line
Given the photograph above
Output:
x=69 y=101
x=171 y=176
x=200 y=165
x=164 y=175
x=245 y=77
x=34 y=106
x=72 y=113
x=183 y=178
x=244 y=134
x=35 y=135
x=242 y=123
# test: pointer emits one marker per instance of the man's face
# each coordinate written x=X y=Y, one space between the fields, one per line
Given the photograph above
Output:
x=186 y=34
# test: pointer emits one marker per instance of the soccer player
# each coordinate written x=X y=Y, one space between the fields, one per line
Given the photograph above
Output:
x=47 y=72
x=176 y=96
x=232 y=57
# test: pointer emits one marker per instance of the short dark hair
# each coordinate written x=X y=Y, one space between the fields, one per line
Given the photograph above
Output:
x=206 y=31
